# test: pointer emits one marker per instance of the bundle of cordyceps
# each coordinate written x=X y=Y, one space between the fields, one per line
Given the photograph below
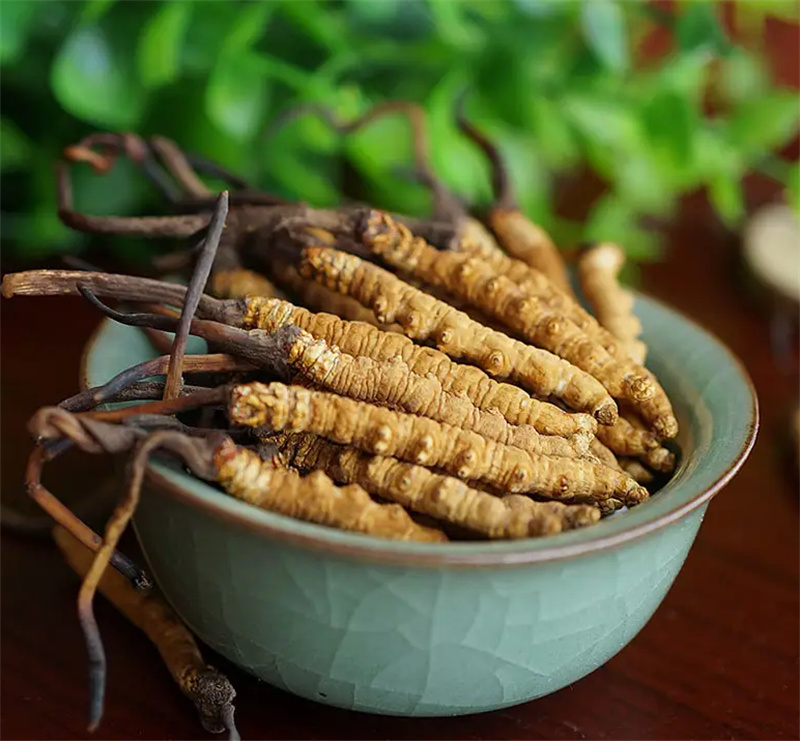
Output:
x=417 y=379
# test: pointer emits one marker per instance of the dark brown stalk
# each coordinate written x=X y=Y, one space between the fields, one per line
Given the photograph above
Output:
x=214 y=363
x=197 y=453
x=143 y=226
x=193 y=295
x=505 y=197
x=68 y=520
x=267 y=350
x=200 y=398
x=137 y=391
x=179 y=167
x=132 y=147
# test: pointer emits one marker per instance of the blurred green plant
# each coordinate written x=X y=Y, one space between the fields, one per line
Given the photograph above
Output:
x=559 y=85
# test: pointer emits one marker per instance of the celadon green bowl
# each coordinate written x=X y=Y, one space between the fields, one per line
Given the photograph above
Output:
x=421 y=629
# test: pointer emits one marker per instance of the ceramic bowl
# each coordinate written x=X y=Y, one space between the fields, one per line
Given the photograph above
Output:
x=419 y=629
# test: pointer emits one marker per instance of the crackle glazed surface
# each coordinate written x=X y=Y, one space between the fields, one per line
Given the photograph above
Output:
x=440 y=629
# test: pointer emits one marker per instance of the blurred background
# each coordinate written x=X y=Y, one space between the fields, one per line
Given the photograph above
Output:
x=647 y=102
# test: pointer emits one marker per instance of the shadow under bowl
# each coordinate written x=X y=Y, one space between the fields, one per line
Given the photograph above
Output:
x=419 y=629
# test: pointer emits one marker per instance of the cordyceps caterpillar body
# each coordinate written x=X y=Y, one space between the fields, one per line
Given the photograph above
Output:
x=391 y=383
x=515 y=405
x=427 y=319
x=532 y=315
x=443 y=497
x=598 y=271
x=239 y=282
x=461 y=453
x=244 y=475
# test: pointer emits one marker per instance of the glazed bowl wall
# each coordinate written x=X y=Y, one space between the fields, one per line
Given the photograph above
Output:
x=439 y=629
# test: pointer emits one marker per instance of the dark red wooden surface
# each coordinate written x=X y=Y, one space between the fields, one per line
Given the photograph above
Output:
x=718 y=660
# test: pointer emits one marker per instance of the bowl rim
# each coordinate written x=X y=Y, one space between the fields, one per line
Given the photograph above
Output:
x=276 y=527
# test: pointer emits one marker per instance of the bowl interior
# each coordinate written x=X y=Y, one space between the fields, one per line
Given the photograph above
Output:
x=713 y=399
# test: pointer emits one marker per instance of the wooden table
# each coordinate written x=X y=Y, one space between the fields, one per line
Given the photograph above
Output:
x=718 y=660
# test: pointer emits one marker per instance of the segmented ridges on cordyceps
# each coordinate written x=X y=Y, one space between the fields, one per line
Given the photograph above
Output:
x=529 y=243
x=391 y=383
x=425 y=318
x=439 y=496
x=543 y=314
x=423 y=441
x=628 y=437
x=314 y=498
x=512 y=402
x=598 y=272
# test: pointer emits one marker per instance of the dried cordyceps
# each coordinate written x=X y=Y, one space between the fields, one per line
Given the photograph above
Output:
x=572 y=516
x=443 y=497
x=391 y=383
x=244 y=475
x=472 y=279
x=425 y=318
x=239 y=282
x=512 y=402
x=207 y=688
x=628 y=437
x=317 y=297
x=598 y=271
x=279 y=407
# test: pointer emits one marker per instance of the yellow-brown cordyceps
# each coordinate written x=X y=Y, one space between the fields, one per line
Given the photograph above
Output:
x=461 y=453
x=207 y=688
x=425 y=318
x=315 y=498
x=544 y=317
x=598 y=272
x=391 y=383
x=442 y=497
x=515 y=405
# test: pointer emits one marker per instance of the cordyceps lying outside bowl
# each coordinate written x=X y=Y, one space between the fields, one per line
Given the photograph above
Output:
x=440 y=629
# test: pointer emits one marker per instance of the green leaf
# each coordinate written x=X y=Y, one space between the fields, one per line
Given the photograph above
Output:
x=742 y=76
x=609 y=219
x=610 y=123
x=319 y=23
x=17 y=21
x=159 y=53
x=670 y=121
x=15 y=147
x=539 y=8
x=641 y=183
x=372 y=13
x=94 y=10
x=699 y=26
x=92 y=82
x=725 y=193
x=555 y=139
x=766 y=122
x=612 y=219
x=248 y=26
x=685 y=74
x=237 y=95
x=458 y=162
x=603 y=26
x=452 y=25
